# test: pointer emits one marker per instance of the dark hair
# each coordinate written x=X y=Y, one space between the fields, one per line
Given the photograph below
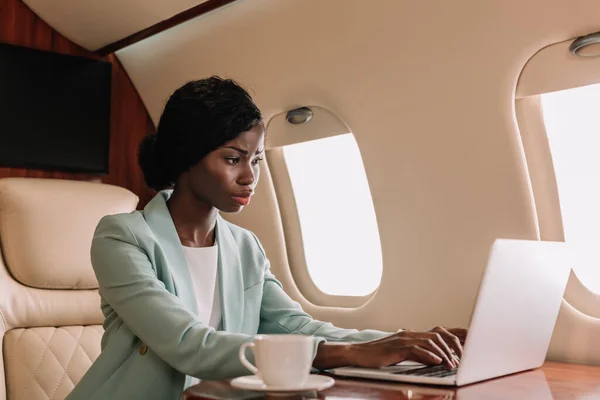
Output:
x=198 y=118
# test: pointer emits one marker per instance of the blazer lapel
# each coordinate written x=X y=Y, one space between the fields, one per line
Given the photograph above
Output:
x=160 y=222
x=231 y=283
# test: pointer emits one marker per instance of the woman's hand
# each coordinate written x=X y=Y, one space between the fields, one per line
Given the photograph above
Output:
x=438 y=346
x=460 y=333
x=455 y=337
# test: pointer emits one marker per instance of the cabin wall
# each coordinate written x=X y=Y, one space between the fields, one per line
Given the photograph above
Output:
x=129 y=118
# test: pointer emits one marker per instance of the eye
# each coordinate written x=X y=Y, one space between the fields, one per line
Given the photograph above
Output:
x=257 y=160
x=232 y=160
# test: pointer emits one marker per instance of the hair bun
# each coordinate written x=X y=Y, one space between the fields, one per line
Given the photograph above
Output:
x=155 y=173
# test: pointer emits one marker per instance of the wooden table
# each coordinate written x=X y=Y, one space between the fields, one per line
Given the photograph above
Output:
x=554 y=381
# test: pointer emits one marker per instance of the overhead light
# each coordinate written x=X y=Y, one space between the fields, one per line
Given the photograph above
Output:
x=299 y=115
x=586 y=46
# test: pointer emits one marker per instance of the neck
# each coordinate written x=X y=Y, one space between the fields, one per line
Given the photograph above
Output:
x=194 y=219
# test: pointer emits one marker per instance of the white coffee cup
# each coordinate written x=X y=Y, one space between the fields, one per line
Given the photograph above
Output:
x=281 y=360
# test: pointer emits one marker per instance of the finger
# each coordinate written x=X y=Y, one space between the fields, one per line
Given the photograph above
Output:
x=451 y=340
x=423 y=356
x=437 y=338
x=429 y=344
x=445 y=351
x=461 y=333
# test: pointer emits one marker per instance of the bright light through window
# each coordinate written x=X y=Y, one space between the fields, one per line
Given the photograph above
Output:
x=337 y=219
x=572 y=120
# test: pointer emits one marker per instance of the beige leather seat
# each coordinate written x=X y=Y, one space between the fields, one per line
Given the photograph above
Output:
x=50 y=319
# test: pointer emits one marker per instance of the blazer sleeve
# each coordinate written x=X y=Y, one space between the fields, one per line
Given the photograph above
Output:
x=128 y=282
x=280 y=314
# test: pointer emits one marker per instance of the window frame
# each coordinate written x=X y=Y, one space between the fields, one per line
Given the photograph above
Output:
x=294 y=242
x=540 y=165
x=324 y=124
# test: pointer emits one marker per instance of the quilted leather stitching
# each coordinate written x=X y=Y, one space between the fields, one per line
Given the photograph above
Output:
x=12 y=357
x=82 y=337
x=9 y=390
x=32 y=377
x=66 y=373
x=12 y=354
x=91 y=328
x=35 y=381
x=3 y=320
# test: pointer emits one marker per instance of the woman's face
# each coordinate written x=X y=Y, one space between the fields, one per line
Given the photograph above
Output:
x=227 y=176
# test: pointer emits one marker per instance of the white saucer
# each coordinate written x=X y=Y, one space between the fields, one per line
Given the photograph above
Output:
x=253 y=382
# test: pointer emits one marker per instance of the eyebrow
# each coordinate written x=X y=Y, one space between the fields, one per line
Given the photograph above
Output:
x=244 y=152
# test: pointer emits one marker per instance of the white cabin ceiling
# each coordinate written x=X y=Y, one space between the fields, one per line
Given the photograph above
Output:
x=95 y=24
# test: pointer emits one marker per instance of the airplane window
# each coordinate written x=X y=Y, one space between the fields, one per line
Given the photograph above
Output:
x=573 y=127
x=337 y=218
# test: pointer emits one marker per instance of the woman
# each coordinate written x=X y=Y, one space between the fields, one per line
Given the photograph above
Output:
x=182 y=289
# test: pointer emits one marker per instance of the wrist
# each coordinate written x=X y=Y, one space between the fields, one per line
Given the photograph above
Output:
x=353 y=354
x=335 y=355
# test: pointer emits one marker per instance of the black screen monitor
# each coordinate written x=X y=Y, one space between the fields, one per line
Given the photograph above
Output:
x=54 y=111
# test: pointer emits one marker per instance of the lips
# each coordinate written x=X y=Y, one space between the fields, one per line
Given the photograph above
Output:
x=242 y=198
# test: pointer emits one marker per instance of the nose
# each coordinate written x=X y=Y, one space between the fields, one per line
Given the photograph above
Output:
x=247 y=176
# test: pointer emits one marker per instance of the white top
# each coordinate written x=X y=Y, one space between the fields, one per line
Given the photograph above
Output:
x=202 y=262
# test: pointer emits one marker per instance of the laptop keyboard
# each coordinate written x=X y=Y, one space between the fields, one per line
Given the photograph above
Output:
x=438 y=371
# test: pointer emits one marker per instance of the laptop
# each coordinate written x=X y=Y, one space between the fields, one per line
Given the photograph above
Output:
x=512 y=323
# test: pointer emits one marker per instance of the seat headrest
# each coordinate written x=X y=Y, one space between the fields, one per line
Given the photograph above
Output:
x=47 y=225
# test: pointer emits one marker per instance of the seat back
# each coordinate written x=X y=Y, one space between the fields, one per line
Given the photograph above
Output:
x=50 y=318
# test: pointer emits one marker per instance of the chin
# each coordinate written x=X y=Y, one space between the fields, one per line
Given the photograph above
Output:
x=231 y=209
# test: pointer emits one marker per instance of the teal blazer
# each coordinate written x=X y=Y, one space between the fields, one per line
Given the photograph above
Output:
x=153 y=340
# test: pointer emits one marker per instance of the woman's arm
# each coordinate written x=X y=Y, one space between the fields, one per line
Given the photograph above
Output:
x=280 y=314
x=369 y=348
x=429 y=348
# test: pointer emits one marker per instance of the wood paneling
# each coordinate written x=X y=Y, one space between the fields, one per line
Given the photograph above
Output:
x=177 y=19
x=129 y=119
